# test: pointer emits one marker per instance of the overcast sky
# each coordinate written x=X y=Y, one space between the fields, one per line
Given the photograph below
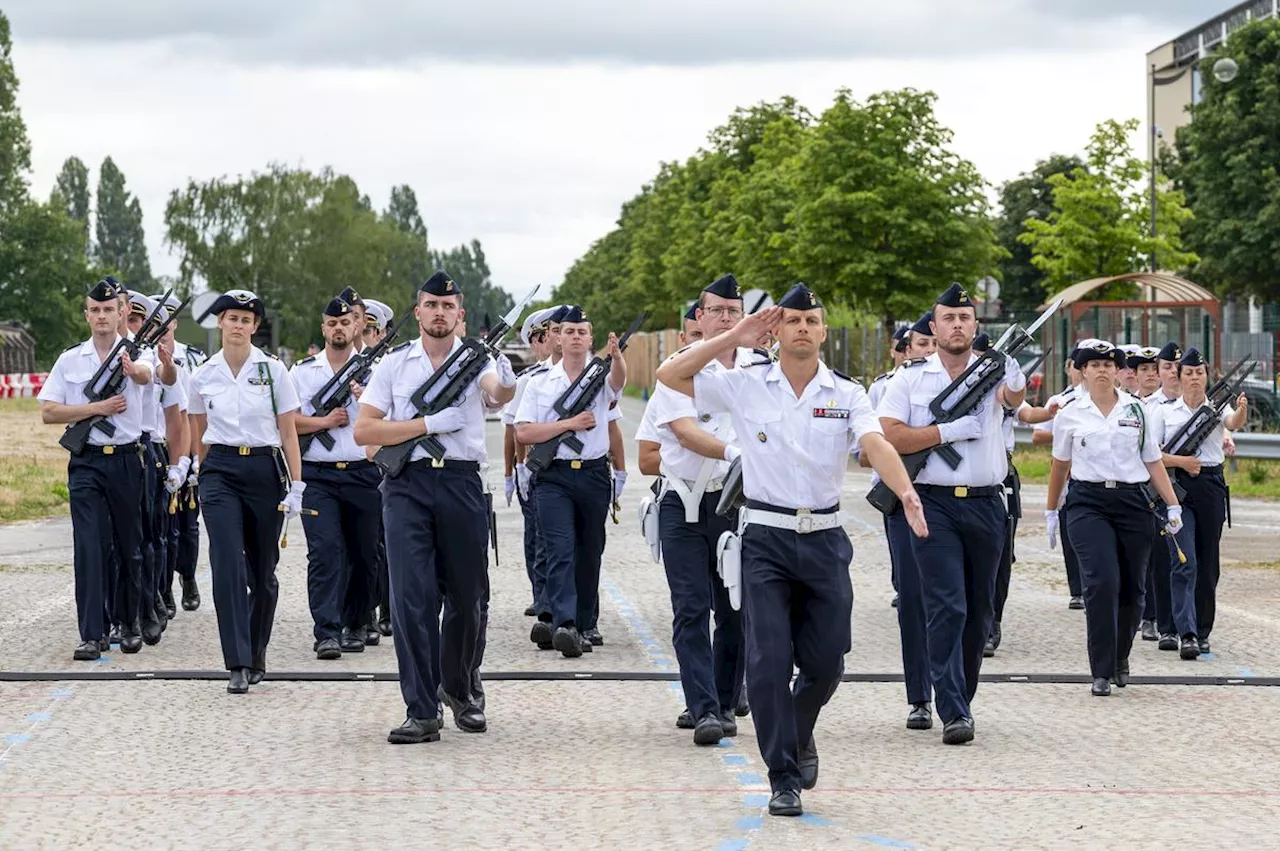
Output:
x=527 y=124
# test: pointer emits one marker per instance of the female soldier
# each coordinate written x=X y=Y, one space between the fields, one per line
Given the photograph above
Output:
x=1110 y=445
x=243 y=403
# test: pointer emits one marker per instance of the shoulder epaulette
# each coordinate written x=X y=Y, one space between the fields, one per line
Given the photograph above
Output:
x=882 y=376
x=72 y=346
x=406 y=344
x=198 y=352
x=306 y=360
x=914 y=361
x=838 y=374
x=765 y=353
x=270 y=355
x=531 y=369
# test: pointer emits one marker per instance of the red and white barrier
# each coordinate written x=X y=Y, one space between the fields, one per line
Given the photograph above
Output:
x=21 y=385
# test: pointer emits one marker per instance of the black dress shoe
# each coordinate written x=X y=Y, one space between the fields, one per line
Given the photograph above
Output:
x=162 y=613
x=541 y=635
x=372 y=638
x=114 y=637
x=467 y=717
x=328 y=649
x=1204 y=646
x=530 y=612
x=1077 y=602
x=1101 y=687
x=920 y=717
x=1168 y=642
x=958 y=731
x=384 y=622
x=151 y=632
x=568 y=642
x=989 y=649
x=190 y=594
x=594 y=636
x=256 y=675
x=238 y=683
x=415 y=731
x=684 y=721
x=785 y=802
x=585 y=645
x=104 y=645
x=709 y=730
x=807 y=762
x=170 y=606
x=352 y=641
x=1189 y=648
x=1121 y=677
x=743 y=709
x=130 y=643
x=87 y=652
x=729 y=724
x=1148 y=631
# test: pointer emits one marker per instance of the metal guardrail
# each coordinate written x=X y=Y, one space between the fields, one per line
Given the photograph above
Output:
x=1248 y=444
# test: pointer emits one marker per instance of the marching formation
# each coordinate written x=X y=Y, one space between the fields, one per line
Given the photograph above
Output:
x=378 y=444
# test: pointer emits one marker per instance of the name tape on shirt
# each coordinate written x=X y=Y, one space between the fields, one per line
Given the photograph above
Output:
x=831 y=413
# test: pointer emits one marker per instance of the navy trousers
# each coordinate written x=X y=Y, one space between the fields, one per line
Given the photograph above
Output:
x=148 y=545
x=958 y=564
x=535 y=559
x=105 y=500
x=799 y=602
x=1075 y=586
x=711 y=668
x=1204 y=512
x=1112 y=532
x=342 y=544
x=912 y=625
x=436 y=540
x=572 y=506
x=239 y=496
x=1004 y=574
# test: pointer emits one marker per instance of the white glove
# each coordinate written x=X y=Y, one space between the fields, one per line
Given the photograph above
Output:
x=1175 y=519
x=450 y=419
x=509 y=487
x=506 y=375
x=1013 y=377
x=1051 y=525
x=523 y=479
x=177 y=476
x=193 y=478
x=292 y=501
x=965 y=428
x=619 y=479
x=731 y=452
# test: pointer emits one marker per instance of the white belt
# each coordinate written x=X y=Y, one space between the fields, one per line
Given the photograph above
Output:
x=802 y=523
x=690 y=493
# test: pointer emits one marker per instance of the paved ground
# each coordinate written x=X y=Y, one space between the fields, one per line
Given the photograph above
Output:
x=598 y=763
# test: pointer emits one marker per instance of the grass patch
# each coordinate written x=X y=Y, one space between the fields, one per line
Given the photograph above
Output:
x=1253 y=478
x=33 y=467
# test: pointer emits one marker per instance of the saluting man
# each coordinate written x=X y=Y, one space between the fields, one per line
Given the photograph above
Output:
x=965 y=507
x=342 y=486
x=573 y=494
x=798 y=421
x=105 y=480
x=437 y=525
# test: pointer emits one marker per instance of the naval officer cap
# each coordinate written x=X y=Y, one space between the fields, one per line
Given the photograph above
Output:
x=725 y=286
x=140 y=304
x=954 y=296
x=171 y=302
x=536 y=321
x=1086 y=343
x=377 y=314
x=1171 y=352
x=239 y=300
x=922 y=325
x=351 y=297
x=440 y=284
x=1192 y=357
x=573 y=315
x=1144 y=354
x=104 y=290
x=1097 y=350
x=337 y=307
x=799 y=297
x=981 y=343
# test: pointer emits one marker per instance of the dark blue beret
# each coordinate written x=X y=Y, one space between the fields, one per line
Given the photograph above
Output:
x=573 y=314
x=692 y=313
x=800 y=297
x=558 y=316
x=351 y=297
x=239 y=300
x=726 y=286
x=954 y=296
x=921 y=325
x=1171 y=352
x=439 y=284
x=981 y=343
x=1192 y=357
x=337 y=307
x=107 y=289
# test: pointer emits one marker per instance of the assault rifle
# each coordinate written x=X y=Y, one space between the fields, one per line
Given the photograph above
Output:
x=578 y=397
x=959 y=399
x=1188 y=439
x=109 y=378
x=446 y=386
x=336 y=392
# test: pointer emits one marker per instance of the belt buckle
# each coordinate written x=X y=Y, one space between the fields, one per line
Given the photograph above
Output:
x=108 y=450
x=244 y=450
x=437 y=463
x=962 y=491
x=1109 y=484
x=576 y=465
x=341 y=465
x=804 y=521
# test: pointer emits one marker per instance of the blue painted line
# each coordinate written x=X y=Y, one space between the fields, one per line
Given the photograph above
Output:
x=17 y=738
x=816 y=821
x=61 y=693
x=39 y=716
x=1209 y=656
x=733 y=845
x=1246 y=672
x=884 y=841
x=103 y=659
x=750 y=778
x=733 y=759
x=755 y=800
x=749 y=823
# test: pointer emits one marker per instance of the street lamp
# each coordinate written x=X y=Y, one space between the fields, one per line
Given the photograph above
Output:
x=1224 y=71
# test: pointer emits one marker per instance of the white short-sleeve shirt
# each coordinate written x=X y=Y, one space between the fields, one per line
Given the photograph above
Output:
x=309 y=377
x=1176 y=414
x=241 y=410
x=538 y=406
x=1112 y=448
x=68 y=382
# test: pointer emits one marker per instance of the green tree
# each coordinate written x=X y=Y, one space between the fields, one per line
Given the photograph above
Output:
x=1100 y=222
x=71 y=193
x=412 y=260
x=121 y=242
x=1028 y=196
x=15 y=149
x=1229 y=166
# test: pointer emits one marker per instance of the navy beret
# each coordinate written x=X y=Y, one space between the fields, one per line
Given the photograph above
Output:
x=105 y=290
x=921 y=325
x=800 y=297
x=726 y=286
x=440 y=284
x=1192 y=357
x=337 y=307
x=954 y=296
x=692 y=313
x=351 y=297
x=558 y=315
x=239 y=300
x=574 y=314
x=1171 y=352
x=981 y=343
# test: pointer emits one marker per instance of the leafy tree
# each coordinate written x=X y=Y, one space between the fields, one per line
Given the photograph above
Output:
x=412 y=260
x=403 y=212
x=121 y=243
x=1229 y=157
x=15 y=149
x=71 y=193
x=1027 y=196
x=1100 y=222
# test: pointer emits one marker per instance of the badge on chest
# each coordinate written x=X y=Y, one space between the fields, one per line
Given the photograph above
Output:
x=1133 y=422
x=260 y=382
x=831 y=413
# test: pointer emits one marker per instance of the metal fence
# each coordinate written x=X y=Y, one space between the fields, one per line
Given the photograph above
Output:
x=1248 y=444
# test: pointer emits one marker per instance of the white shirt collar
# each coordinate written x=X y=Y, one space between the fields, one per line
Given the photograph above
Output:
x=416 y=350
